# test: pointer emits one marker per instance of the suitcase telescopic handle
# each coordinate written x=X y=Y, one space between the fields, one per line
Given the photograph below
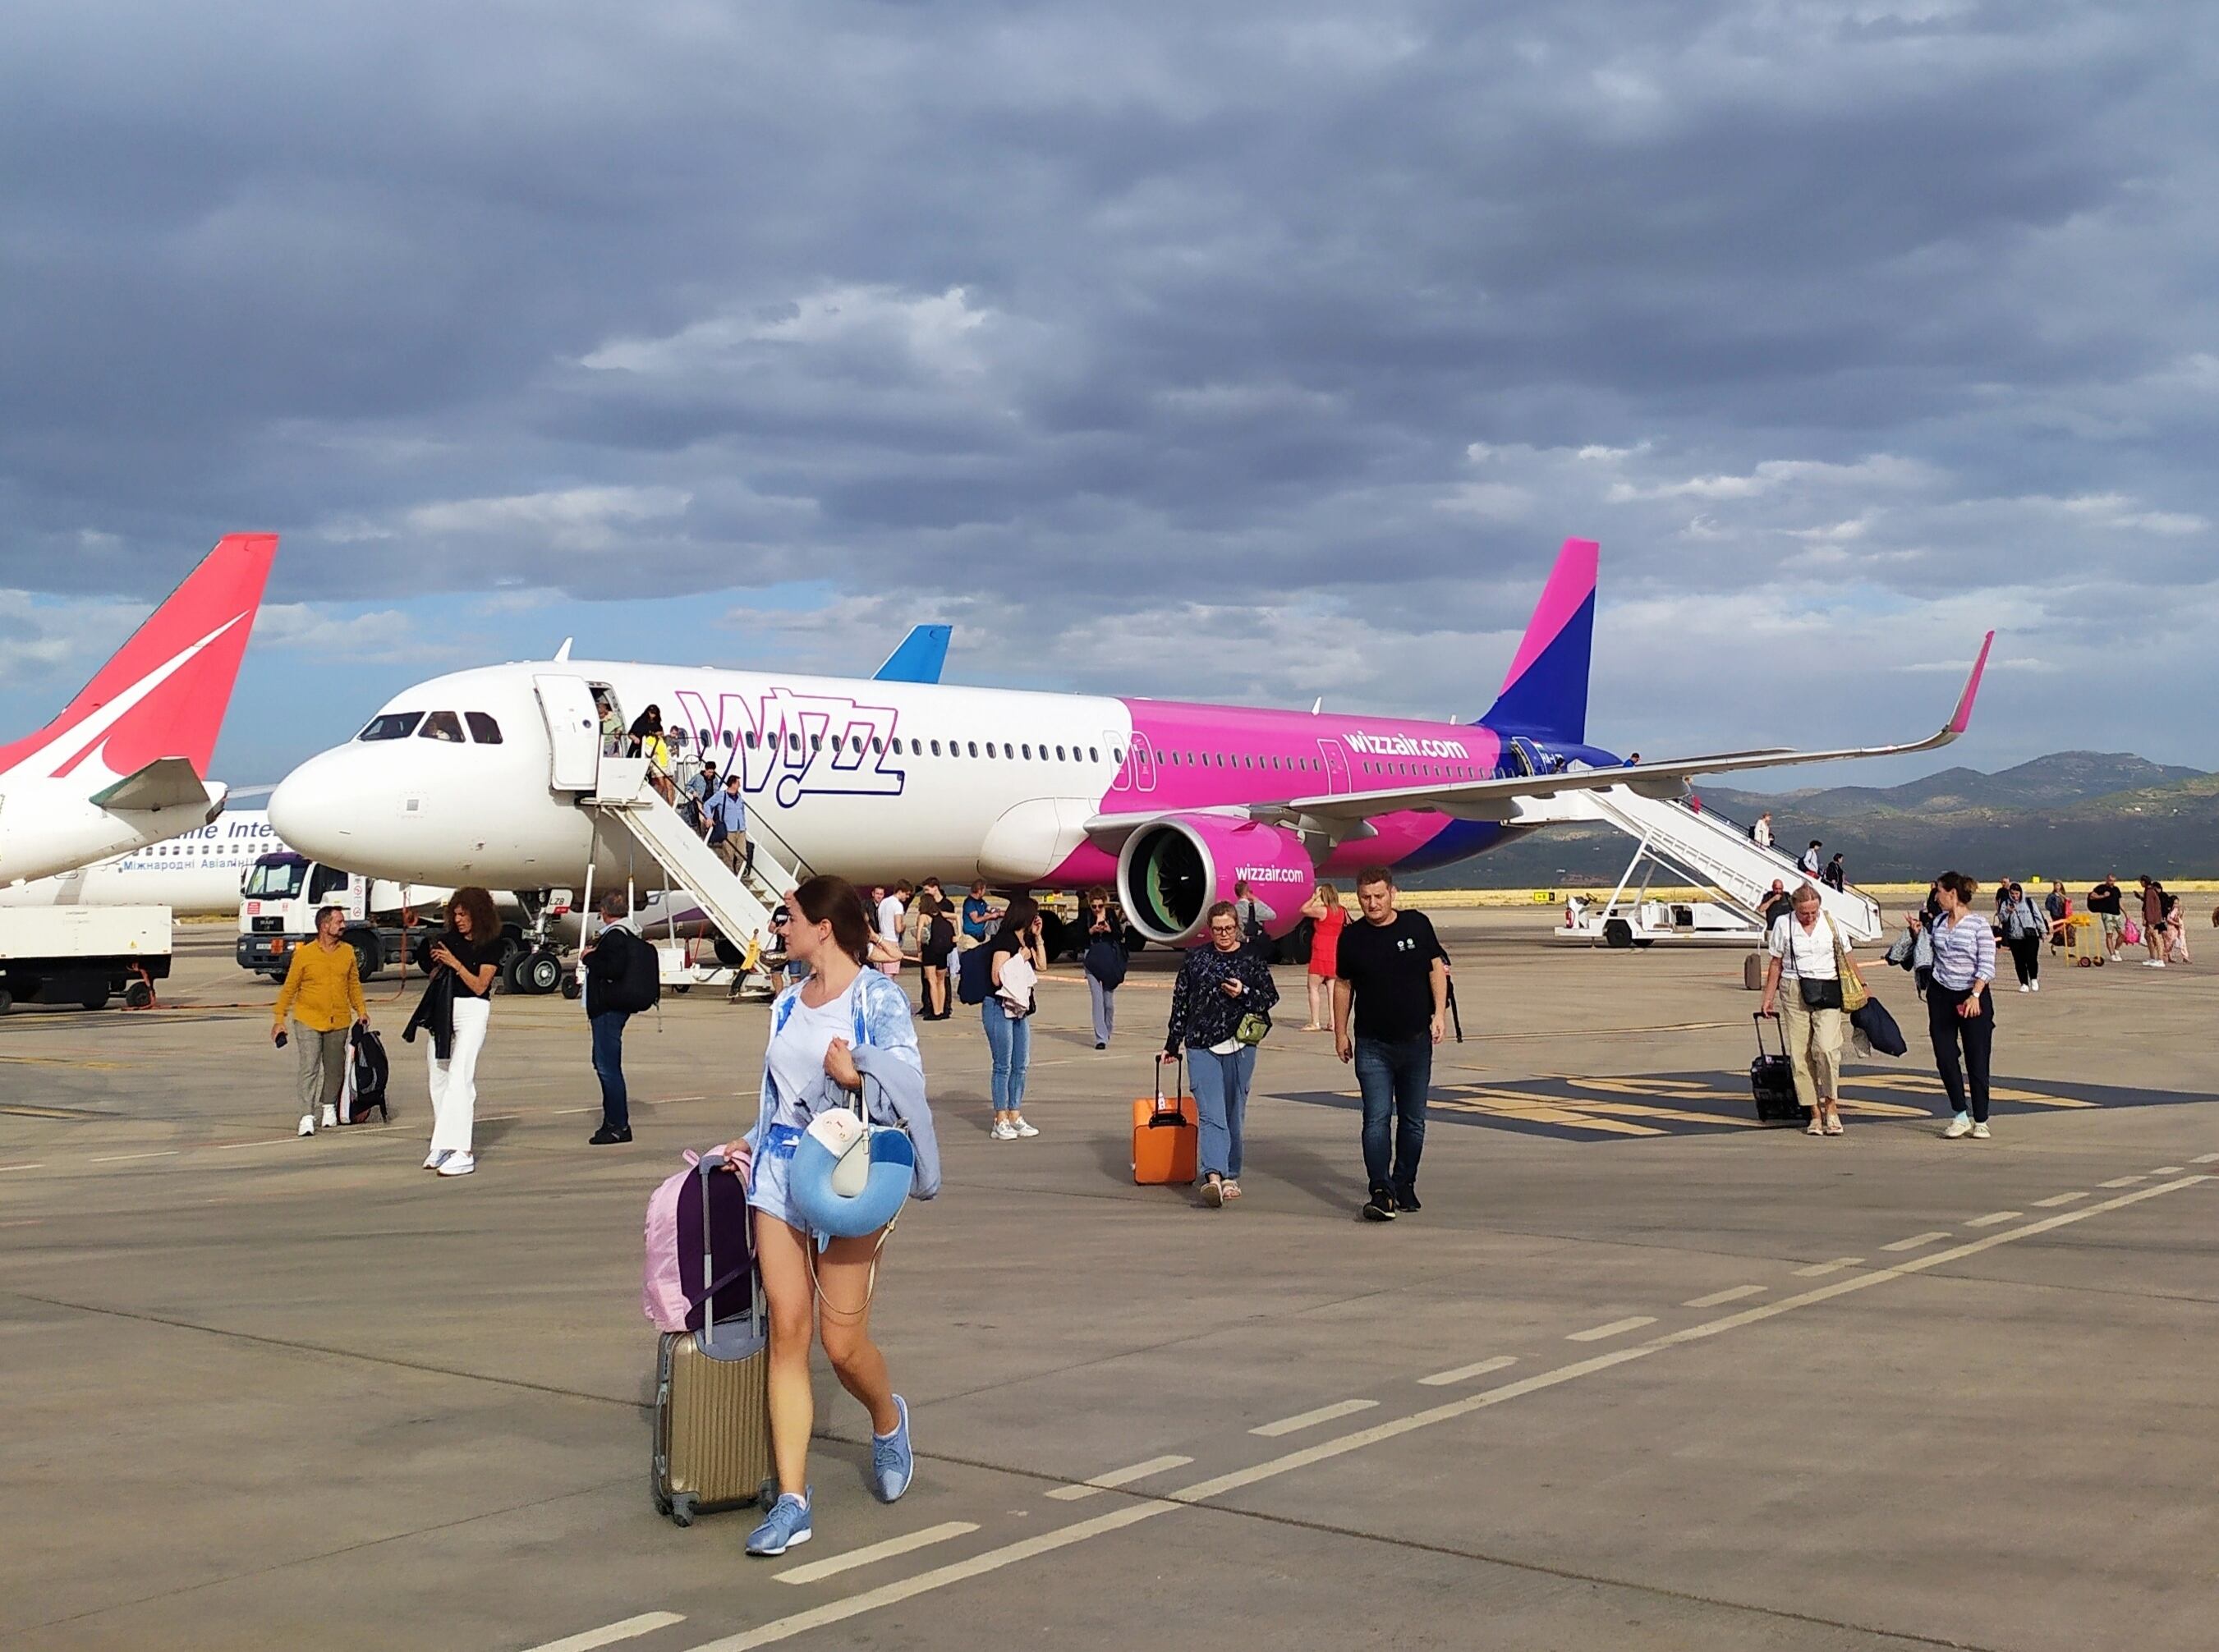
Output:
x=1760 y=1018
x=1179 y=1090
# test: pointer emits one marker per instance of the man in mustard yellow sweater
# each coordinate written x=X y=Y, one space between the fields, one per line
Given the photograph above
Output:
x=323 y=994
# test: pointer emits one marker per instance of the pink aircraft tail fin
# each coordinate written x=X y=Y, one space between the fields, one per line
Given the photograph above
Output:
x=1545 y=692
x=164 y=692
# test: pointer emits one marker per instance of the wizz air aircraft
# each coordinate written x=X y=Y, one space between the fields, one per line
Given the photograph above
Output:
x=478 y=777
x=125 y=762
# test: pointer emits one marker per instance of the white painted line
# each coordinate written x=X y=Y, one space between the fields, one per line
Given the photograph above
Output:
x=609 y=1634
x=1047 y=1542
x=2056 y=1199
x=1731 y=1294
x=559 y=1111
x=1820 y=1270
x=2168 y=1170
x=274 y=1141
x=1117 y=1477
x=2123 y=1181
x=5 y=1168
x=1994 y=1219
x=125 y=1159
x=1917 y=1239
x=1465 y=1373
x=1311 y=1418
x=2205 y=1158
x=1615 y=1328
x=833 y=1565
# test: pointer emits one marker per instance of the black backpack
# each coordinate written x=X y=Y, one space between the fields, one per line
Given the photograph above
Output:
x=366 y=1056
x=1105 y=962
x=637 y=983
x=974 y=975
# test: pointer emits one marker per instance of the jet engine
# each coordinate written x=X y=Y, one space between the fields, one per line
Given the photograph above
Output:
x=1173 y=870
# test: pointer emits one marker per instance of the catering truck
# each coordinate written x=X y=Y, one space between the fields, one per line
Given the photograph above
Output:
x=83 y=954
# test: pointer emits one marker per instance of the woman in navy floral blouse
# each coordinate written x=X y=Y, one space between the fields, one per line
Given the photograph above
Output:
x=1219 y=984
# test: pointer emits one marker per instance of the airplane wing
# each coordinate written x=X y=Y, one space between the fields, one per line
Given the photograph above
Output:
x=165 y=783
x=1344 y=813
x=919 y=659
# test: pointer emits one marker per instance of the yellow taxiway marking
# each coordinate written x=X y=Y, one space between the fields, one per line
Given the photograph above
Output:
x=1933 y=1087
x=1202 y=1491
x=833 y=1565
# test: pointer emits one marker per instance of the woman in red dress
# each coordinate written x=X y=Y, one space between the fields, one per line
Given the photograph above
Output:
x=1327 y=917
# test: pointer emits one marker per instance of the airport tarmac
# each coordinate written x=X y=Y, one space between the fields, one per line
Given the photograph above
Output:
x=1640 y=1374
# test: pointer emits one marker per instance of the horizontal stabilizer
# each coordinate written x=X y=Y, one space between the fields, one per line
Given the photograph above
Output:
x=165 y=783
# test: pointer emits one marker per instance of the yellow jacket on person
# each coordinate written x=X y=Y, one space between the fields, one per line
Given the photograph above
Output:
x=323 y=987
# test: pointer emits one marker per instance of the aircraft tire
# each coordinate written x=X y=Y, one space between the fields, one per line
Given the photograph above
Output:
x=538 y=973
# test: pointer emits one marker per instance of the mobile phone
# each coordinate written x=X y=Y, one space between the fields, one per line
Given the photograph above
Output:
x=283 y=1039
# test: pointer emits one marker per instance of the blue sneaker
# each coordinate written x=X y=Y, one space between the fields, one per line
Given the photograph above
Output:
x=787 y=1524
x=892 y=1463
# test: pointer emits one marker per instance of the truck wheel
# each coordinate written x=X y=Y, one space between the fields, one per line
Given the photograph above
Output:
x=7 y=1000
x=137 y=996
x=368 y=958
x=539 y=973
x=94 y=997
x=1618 y=933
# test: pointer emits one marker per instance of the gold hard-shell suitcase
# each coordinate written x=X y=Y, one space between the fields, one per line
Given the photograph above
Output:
x=713 y=1419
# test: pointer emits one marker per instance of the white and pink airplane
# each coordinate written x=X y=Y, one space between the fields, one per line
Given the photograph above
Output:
x=475 y=777
x=125 y=763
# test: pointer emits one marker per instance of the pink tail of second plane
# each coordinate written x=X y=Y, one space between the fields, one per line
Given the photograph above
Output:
x=164 y=694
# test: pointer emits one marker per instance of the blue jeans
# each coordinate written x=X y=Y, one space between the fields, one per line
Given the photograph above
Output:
x=608 y=1066
x=1394 y=1075
x=1010 y=1038
x=1221 y=1097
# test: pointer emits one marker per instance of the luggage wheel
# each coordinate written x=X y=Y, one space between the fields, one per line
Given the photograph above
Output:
x=681 y=1510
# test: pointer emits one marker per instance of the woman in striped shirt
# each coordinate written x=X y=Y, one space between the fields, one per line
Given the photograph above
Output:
x=1958 y=1007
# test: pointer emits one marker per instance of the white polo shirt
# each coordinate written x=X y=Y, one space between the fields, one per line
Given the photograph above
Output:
x=1803 y=954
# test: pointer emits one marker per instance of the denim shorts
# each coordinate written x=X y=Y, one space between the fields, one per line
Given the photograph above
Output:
x=767 y=1180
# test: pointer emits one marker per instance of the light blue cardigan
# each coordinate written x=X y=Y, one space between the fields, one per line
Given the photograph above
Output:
x=884 y=1046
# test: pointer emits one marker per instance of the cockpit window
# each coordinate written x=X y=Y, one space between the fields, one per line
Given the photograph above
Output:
x=442 y=726
x=483 y=729
x=391 y=725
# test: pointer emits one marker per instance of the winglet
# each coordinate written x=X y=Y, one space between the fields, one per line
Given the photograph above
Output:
x=1962 y=719
x=919 y=659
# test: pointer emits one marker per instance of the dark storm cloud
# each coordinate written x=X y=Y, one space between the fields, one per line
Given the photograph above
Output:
x=1335 y=319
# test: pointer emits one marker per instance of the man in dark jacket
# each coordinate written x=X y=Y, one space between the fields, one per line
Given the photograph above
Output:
x=621 y=970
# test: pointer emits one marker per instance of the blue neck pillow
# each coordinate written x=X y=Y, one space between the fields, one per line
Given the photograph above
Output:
x=809 y=1185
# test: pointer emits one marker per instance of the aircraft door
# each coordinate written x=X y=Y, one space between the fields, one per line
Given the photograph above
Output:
x=1140 y=772
x=574 y=732
x=1337 y=778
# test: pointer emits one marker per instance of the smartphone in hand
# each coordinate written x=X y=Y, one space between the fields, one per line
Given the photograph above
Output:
x=283 y=1039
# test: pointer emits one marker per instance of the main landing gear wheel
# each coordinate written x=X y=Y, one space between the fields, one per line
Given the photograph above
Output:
x=538 y=973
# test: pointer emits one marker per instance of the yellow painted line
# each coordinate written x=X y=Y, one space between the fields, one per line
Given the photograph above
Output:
x=630 y=1629
x=1933 y=1087
x=2056 y=1199
x=1530 y=1110
x=1311 y=1418
x=833 y=1565
x=1117 y=1477
x=1994 y=1219
x=1615 y=1328
x=1917 y=1240
x=2123 y=1181
x=1465 y=1373
x=1820 y=1270
x=1731 y=1294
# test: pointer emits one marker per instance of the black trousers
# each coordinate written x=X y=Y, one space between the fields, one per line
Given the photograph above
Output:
x=2026 y=958
x=1978 y=1035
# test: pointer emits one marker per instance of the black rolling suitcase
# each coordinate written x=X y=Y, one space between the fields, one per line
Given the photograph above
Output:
x=1772 y=1081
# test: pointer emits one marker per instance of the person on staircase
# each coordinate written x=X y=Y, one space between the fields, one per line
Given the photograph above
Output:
x=728 y=829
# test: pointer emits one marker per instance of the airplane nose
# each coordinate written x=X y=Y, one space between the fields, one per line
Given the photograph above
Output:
x=313 y=809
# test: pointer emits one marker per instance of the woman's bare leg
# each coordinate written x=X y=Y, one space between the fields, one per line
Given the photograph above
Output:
x=844 y=1324
x=783 y=1256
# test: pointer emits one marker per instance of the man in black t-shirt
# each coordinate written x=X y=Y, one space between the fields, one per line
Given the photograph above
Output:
x=1389 y=1008
x=2103 y=905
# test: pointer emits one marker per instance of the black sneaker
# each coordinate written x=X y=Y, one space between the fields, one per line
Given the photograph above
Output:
x=1380 y=1207
x=605 y=1137
x=1407 y=1199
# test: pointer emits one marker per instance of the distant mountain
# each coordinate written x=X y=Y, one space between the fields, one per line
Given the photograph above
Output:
x=2073 y=815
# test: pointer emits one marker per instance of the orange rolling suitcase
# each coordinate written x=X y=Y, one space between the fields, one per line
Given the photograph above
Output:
x=1166 y=1135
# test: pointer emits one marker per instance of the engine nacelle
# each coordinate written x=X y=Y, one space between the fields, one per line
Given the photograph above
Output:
x=1173 y=870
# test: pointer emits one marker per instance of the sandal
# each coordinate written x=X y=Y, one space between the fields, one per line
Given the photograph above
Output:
x=1213 y=1190
x=1817 y=1125
x=1231 y=1191
x=1833 y=1123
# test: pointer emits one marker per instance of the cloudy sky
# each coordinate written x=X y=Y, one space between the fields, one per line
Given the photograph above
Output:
x=1252 y=352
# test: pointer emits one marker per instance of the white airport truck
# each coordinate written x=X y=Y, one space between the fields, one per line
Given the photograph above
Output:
x=386 y=923
x=83 y=954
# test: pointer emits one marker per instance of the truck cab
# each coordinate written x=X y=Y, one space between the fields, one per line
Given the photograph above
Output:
x=283 y=893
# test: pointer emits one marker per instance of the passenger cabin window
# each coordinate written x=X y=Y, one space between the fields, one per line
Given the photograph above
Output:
x=391 y=725
x=442 y=726
x=483 y=729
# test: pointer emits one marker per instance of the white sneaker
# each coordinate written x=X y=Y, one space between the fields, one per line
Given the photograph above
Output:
x=1024 y=1129
x=2035 y=987
x=1960 y=1125
x=1980 y=1132
x=331 y=1118
x=2154 y=963
x=458 y=1164
x=437 y=1156
x=1002 y=1132
x=2023 y=987
x=308 y=1125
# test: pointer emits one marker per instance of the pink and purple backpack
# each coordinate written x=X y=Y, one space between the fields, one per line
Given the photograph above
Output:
x=698 y=1247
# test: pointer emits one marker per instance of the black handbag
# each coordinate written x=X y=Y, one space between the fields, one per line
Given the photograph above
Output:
x=1820 y=995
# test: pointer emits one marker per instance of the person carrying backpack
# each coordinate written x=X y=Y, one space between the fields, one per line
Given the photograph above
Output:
x=622 y=977
x=1255 y=917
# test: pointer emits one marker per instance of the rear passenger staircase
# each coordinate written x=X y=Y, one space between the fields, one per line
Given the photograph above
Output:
x=1713 y=852
x=739 y=906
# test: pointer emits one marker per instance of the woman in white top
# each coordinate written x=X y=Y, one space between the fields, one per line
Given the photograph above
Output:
x=1808 y=957
x=815 y=1285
